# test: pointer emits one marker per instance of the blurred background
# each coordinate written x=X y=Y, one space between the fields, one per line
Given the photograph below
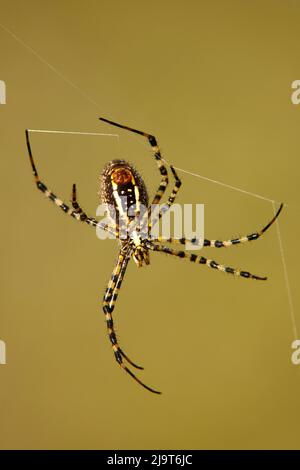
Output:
x=213 y=82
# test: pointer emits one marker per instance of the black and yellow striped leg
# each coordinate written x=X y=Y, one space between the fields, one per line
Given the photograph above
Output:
x=201 y=260
x=74 y=201
x=169 y=202
x=161 y=166
x=176 y=187
x=89 y=220
x=247 y=238
x=224 y=243
x=109 y=300
x=162 y=169
x=76 y=206
x=50 y=195
x=115 y=282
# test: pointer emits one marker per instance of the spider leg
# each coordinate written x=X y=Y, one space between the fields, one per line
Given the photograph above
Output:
x=153 y=142
x=111 y=295
x=78 y=210
x=175 y=189
x=219 y=243
x=109 y=300
x=201 y=260
x=113 y=230
x=169 y=202
x=162 y=168
x=82 y=217
x=74 y=201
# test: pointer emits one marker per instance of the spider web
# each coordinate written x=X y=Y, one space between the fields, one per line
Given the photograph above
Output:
x=228 y=186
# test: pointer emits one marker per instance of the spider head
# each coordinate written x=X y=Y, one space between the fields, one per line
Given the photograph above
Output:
x=140 y=256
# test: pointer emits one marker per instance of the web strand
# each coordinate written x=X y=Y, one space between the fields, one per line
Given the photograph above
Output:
x=286 y=278
x=72 y=132
x=220 y=183
x=50 y=66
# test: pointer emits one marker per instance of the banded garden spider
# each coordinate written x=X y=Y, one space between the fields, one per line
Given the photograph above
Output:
x=121 y=178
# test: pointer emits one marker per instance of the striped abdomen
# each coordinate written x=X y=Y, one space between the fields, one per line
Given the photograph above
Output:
x=122 y=187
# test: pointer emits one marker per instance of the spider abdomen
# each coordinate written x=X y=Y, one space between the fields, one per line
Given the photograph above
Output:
x=122 y=187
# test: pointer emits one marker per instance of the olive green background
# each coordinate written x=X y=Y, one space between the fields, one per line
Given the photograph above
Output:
x=212 y=80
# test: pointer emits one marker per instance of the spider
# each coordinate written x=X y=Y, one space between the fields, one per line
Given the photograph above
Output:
x=120 y=178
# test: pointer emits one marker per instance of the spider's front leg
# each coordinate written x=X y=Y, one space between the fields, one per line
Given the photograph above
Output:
x=168 y=204
x=109 y=301
x=76 y=214
x=162 y=169
x=157 y=155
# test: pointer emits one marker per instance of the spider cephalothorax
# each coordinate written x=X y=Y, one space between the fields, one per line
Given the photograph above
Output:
x=124 y=191
x=140 y=254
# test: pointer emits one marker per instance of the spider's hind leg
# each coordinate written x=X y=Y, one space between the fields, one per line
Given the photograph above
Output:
x=201 y=260
x=119 y=354
x=109 y=300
